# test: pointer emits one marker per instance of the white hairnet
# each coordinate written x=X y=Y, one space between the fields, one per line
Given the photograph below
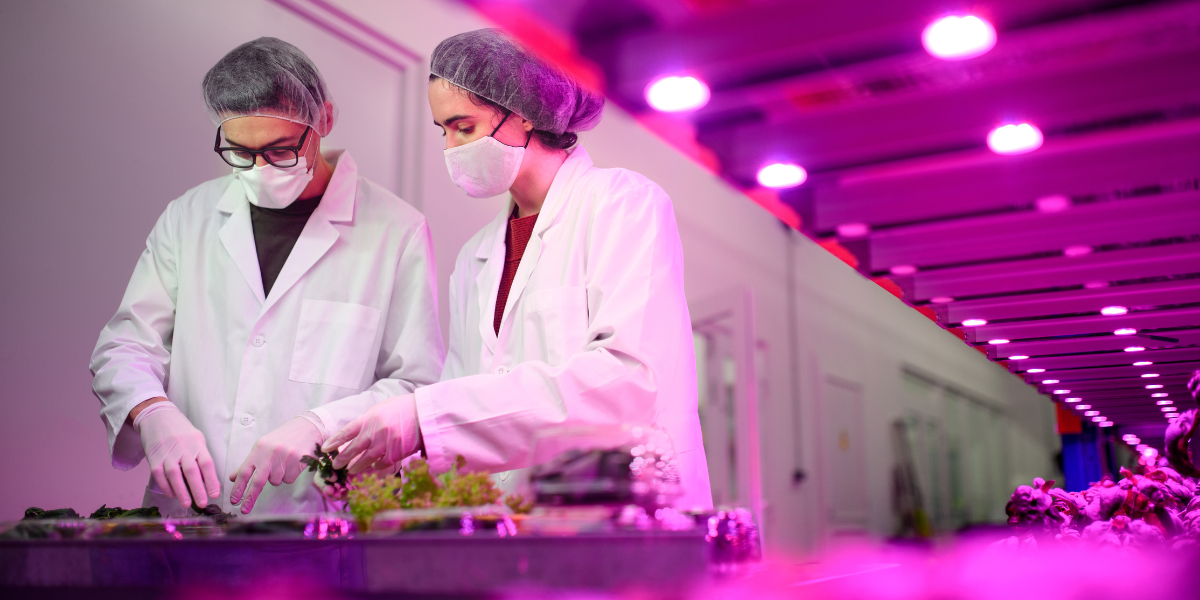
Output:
x=269 y=77
x=492 y=66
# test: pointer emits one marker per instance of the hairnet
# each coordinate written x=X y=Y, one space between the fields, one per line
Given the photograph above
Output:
x=269 y=77
x=489 y=64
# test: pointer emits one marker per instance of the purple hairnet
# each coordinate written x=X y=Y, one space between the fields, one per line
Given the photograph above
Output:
x=272 y=78
x=492 y=66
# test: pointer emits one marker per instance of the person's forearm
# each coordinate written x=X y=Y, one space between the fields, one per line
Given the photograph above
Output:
x=140 y=407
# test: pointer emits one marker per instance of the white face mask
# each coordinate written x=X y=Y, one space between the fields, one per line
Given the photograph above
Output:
x=486 y=167
x=268 y=186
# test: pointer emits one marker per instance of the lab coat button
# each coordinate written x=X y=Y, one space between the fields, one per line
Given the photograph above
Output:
x=500 y=370
x=247 y=420
x=258 y=341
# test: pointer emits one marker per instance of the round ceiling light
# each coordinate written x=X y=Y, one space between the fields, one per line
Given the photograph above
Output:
x=677 y=94
x=1015 y=139
x=974 y=323
x=782 y=175
x=1114 y=311
x=958 y=37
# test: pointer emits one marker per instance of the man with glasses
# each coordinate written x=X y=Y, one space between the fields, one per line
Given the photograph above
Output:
x=270 y=307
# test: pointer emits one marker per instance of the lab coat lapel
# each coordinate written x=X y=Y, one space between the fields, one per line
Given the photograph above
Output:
x=487 y=282
x=319 y=234
x=237 y=235
x=556 y=198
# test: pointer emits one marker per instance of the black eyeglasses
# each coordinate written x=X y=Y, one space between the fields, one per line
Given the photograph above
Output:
x=244 y=158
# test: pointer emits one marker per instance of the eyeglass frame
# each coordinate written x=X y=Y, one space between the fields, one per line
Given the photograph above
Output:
x=261 y=151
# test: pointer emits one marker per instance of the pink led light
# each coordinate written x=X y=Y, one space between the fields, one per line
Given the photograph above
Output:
x=1095 y=285
x=1141 y=447
x=1142 y=363
x=1169 y=409
x=1083 y=406
x=782 y=175
x=974 y=323
x=1073 y=400
x=1114 y=311
x=853 y=230
x=1154 y=386
x=998 y=342
x=1098 y=419
x=1165 y=402
x=1052 y=204
x=1049 y=381
x=1076 y=251
x=1060 y=392
x=1018 y=357
x=1035 y=370
x=1014 y=139
x=941 y=300
x=1159 y=395
x=1091 y=413
x=1149 y=452
x=1106 y=423
x=1149 y=375
x=903 y=270
x=958 y=37
x=677 y=94
x=1134 y=349
x=1125 y=331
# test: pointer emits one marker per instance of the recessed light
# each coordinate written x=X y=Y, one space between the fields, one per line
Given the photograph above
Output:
x=1095 y=285
x=941 y=300
x=1169 y=409
x=1125 y=331
x=1015 y=138
x=1154 y=386
x=1134 y=349
x=1142 y=363
x=677 y=94
x=1073 y=400
x=1106 y=423
x=1018 y=357
x=1091 y=413
x=1052 y=204
x=782 y=175
x=853 y=230
x=1049 y=381
x=1159 y=395
x=998 y=342
x=903 y=270
x=1165 y=402
x=1077 y=251
x=1082 y=406
x=1098 y=419
x=958 y=37
x=1060 y=392
x=974 y=323
x=1114 y=311
x=1149 y=375
x=1035 y=370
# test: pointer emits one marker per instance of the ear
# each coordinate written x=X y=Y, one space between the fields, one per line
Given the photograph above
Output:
x=328 y=124
x=527 y=125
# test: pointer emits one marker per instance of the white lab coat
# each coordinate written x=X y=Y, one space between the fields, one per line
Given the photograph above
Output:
x=595 y=330
x=350 y=321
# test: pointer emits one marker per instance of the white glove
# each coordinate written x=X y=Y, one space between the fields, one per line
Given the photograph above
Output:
x=275 y=458
x=383 y=436
x=177 y=454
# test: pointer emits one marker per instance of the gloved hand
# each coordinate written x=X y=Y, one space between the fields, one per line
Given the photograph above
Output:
x=275 y=458
x=383 y=436
x=178 y=454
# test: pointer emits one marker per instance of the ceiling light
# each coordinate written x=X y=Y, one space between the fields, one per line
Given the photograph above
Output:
x=1035 y=370
x=1014 y=139
x=782 y=175
x=1098 y=419
x=1060 y=392
x=677 y=94
x=1125 y=331
x=974 y=323
x=1149 y=375
x=1106 y=423
x=1149 y=452
x=1159 y=395
x=1154 y=386
x=1169 y=409
x=1049 y=381
x=1073 y=400
x=1114 y=311
x=941 y=300
x=1082 y=406
x=998 y=342
x=1142 y=363
x=958 y=37
x=903 y=270
x=1095 y=285
x=1165 y=402
x=1076 y=251
x=1091 y=413
x=1134 y=349
x=1052 y=204
x=853 y=230
x=1018 y=357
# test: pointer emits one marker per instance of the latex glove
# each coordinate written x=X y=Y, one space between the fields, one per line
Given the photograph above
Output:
x=380 y=438
x=275 y=458
x=178 y=454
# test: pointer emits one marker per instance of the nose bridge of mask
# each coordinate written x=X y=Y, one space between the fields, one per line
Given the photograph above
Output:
x=268 y=186
x=484 y=168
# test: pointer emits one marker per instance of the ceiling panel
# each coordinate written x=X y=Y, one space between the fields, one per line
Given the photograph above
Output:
x=1164 y=293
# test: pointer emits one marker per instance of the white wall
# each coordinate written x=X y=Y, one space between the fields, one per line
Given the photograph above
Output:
x=127 y=74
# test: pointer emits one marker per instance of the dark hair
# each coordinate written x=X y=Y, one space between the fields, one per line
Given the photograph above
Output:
x=548 y=139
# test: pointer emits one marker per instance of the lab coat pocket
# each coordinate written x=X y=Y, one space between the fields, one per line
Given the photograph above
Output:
x=334 y=342
x=556 y=323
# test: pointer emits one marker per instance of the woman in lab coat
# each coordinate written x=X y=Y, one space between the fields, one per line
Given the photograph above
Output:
x=568 y=307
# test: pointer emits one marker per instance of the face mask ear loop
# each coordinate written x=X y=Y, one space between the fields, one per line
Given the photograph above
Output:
x=507 y=114
x=528 y=139
x=314 y=163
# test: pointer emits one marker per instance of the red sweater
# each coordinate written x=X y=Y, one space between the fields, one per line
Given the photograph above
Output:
x=515 y=240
